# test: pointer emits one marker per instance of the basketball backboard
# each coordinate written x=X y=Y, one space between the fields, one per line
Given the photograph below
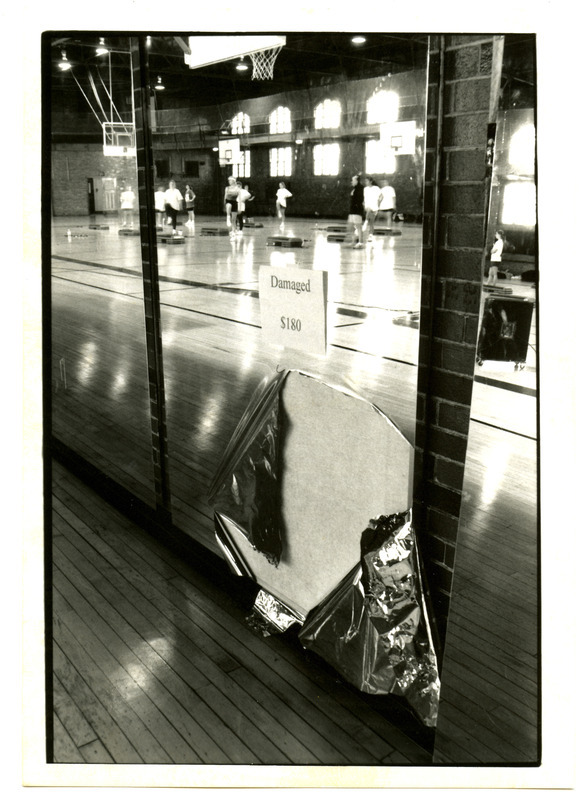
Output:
x=205 y=50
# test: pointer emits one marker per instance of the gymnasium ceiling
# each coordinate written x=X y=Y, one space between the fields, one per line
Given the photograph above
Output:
x=306 y=61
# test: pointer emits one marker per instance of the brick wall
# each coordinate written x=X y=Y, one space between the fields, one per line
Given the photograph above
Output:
x=454 y=215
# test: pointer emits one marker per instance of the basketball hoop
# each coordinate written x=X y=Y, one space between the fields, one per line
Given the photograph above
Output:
x=263 y=63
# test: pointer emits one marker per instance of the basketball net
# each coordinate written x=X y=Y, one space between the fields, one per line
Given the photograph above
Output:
x=263 y=63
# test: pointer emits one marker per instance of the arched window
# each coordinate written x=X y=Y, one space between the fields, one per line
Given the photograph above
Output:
x=327 y=114
x=382 y=106
x=240 y=123
x=280 y=121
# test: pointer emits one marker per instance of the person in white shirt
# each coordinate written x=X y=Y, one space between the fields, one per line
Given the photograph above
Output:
x=173 y=200
x=282 y=196
x=242 y=196
x=159 y=206
x=371 y=195
x=127 y=199
x=230 y=201
x=387 y=201
x=496 y=258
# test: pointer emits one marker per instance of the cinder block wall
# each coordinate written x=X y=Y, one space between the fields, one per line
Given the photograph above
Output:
x=454 y=209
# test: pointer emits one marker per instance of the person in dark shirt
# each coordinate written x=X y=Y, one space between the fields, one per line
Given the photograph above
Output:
x=356 y=211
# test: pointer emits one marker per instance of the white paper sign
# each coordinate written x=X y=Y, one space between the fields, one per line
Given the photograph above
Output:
x=293 y=304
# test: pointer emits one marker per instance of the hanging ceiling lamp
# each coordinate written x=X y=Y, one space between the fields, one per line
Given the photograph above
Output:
x=242 y=66
x=101 y=49
x=159 y=85
x=64 y=64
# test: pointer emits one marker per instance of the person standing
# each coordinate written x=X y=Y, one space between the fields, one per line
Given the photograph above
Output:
x=242 y=196
x=127 y=200
x=173 y=201
x=356 y=211
x=371 y=195
x=496 y=257
x=190 y=206
x=387 y=201
x=282 y=196
x=230 y=202
x=159 y=206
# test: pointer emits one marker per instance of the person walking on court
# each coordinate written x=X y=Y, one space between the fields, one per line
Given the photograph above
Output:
x=160 y=206
x=282 y=196
x=496 y=256
x=230 y=202
x=371 y=194
x=173 y=199
x=242 y=196
x=190 y=206
x=127 y=200
x=387 y=202
x=356 y=212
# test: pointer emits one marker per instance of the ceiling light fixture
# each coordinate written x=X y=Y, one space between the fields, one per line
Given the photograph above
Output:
x=101 y=50
x=159 y=85
x=242 y=66
x=148 y=41
x=358 y=39
x=64 y=62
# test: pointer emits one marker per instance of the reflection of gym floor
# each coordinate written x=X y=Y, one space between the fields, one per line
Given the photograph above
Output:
x=214 y=356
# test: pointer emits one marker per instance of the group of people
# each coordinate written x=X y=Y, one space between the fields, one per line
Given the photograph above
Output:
x=235 y=198
x=366 y=203
x=168 y=204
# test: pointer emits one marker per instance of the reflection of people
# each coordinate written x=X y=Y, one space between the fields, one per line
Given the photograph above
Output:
x=356 y=211
x=127 y=199
x=230 y=202
x=496 y=257
x=242 y=196
x=387 y=201
x=371 y=195
x=173 y=200
x=190 y=206
x=282 y=196
x=159 y=206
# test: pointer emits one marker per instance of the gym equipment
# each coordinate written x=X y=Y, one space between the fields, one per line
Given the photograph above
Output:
x=214 y=232
x=284 y=241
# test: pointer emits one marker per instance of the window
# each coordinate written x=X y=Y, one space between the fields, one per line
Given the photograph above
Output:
x=241 y=169
x=162 y=167
x=280 y=161
x=280 y=120
x=519 y=204
x=191 y=169
x=382 y=107
x=240 y=123
x=379 y=158
x=327 y=115
x=326 y=159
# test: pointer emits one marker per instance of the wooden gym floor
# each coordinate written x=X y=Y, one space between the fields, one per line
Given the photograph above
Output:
x=154 y=662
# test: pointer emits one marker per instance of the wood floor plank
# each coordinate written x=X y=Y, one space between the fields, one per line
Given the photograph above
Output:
x=72 y=718
x=98 y=717
x=65 y=751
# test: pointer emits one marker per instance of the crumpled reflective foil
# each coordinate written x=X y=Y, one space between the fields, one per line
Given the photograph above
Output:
x=270 y=616
x=246 y=488
x=374 y=628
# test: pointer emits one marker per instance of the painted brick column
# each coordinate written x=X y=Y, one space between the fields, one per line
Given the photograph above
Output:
x=149 y=254
x=461 y=71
